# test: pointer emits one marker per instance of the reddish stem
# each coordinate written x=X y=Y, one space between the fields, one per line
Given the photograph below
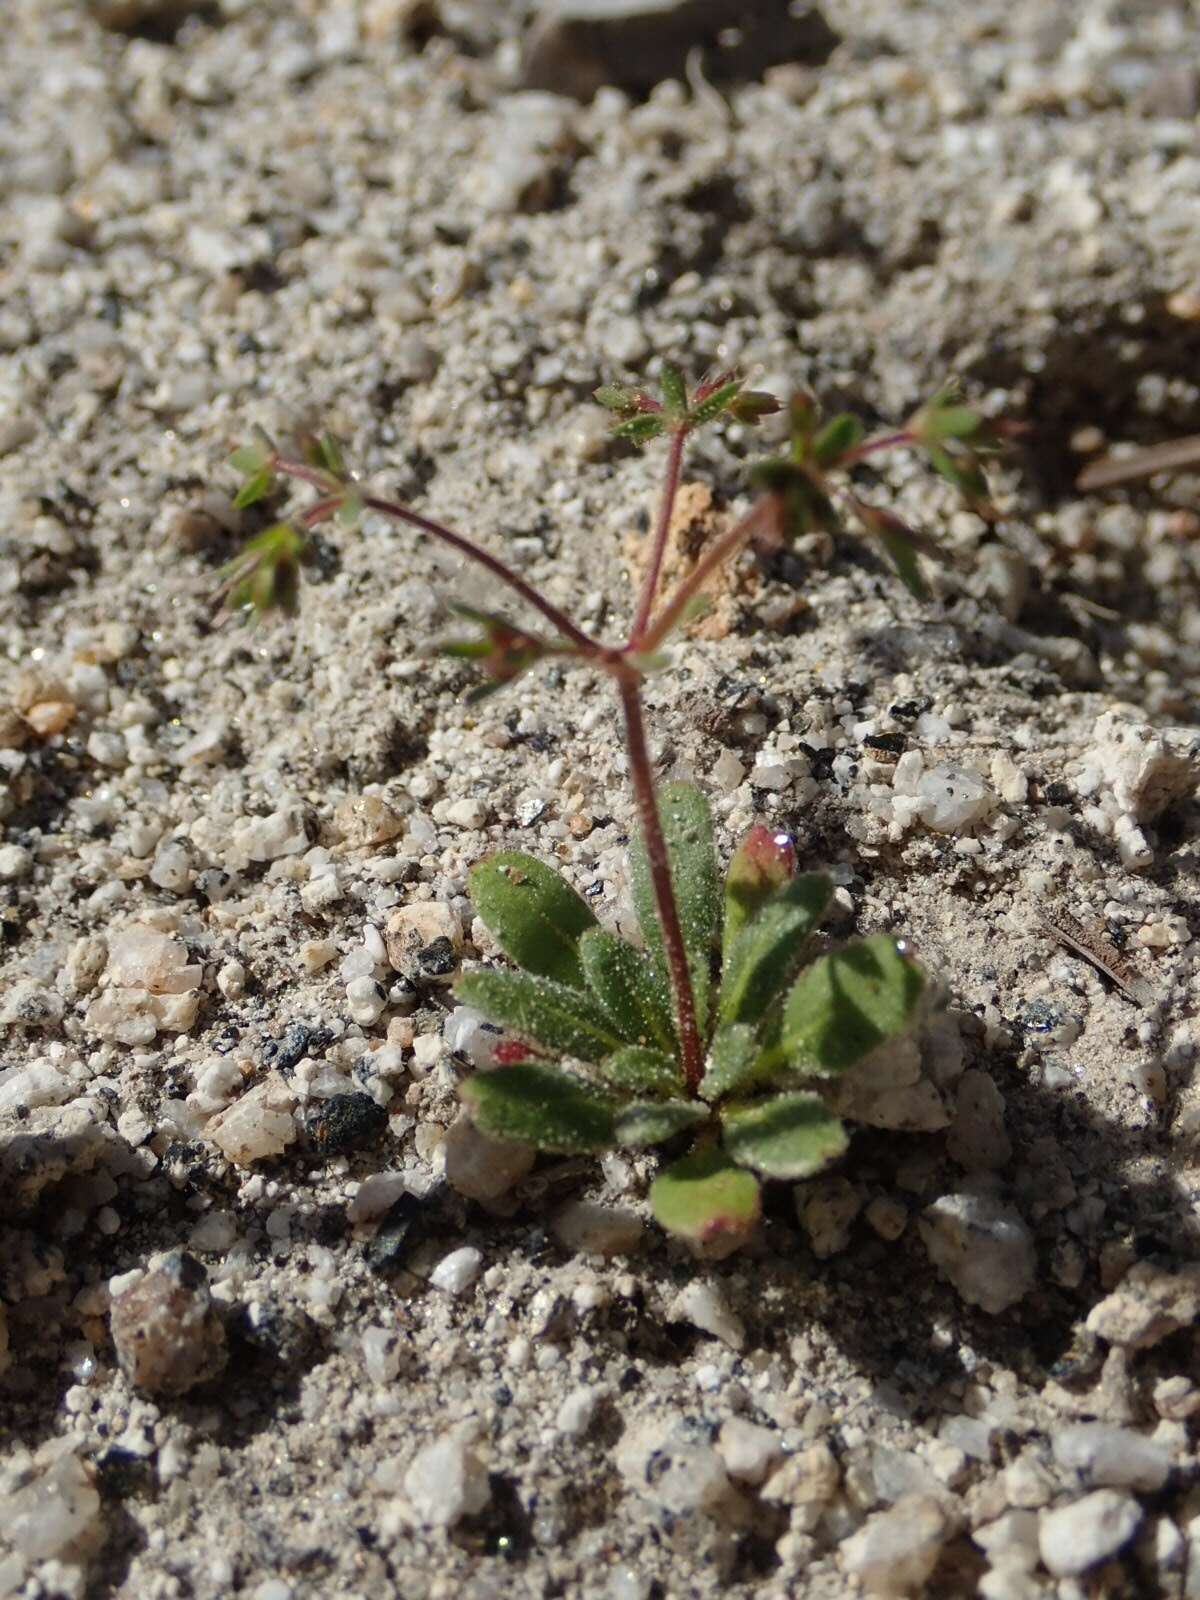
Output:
x=467 y=547
x=642 y=774
x=871 y=447
x=666 y=508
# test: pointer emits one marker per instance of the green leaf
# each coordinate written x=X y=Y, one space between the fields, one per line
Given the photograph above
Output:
x=846 y=1004
x=265 y=574
x=705 y=1198
x=351 y=509
x=840 y=433
x=955 y=422
x=714 y=404
x=790 y=1136
x=903 y=557
x=673 y=387
x=732 y=1058
x=331 y=455
x=753 y=404
x=251 y=458
x=764 y=861
x=630 y=987
x=643 y=1071
x=639 y=429
x=540 y=1106
x=561 y=1019
x=804 y=416
x=687 y=827
x=533 y=914
x=255 y=488
x=962 y=472
x=622 y=398
x=647 y=1122
x=768 y=953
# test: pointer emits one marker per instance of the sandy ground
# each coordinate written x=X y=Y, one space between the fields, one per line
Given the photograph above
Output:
x=356 y=214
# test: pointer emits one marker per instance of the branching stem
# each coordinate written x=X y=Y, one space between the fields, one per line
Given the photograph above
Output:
x=398 y=512
x=641 y=772
x=666 y=510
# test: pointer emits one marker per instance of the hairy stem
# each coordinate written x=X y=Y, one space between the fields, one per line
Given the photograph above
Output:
x=760 y=514
x=642 y=775
x=666 y=508
x=467 y=547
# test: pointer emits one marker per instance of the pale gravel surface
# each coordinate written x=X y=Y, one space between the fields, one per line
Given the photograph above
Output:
x=289 y=212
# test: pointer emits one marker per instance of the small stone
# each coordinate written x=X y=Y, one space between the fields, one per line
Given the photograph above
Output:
x=1112 y=1458
x=381 y=1354
x=446 y=1481
x=953 y=799
x=1149 y=1305
x=467 y=814
x=171 y=868
x=748 y=1450
x=15 y=862
x=703 y=1305
x=141 y=957
x=1147 y=769
x=14 y=731
x=826 y=1209
x=481 y=1168
x=982 y=1246
x=417 y=927
x=576 y=1413
x=887 y=1216
x=1076 y=1537
x=165 y=1332
x=50 y=717
x=455 y=1273
x=375 y=1194
x=366 y=1000
x=366 y=819
x=270 y=838
x=345 y=1121
x=467 y=1033
x=806 y=1482
x=231 y=980
x=1176 y=1398
x=52 y=1512
x=321 y=893
x=599 y=1230
x=675 y=1468
x=258 y=1125
x=977 y=1139
x=315 y=954
x=895 y=1551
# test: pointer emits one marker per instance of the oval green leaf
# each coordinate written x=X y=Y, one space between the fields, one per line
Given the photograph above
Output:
x=770 y=949
x=643 y=1071
x=533 y=913
x=541 y=1106
x=704 y=1197
x=647 y=1122
x=791 y=1136
x=848 y=1003
x=630 y=987
x=732 y=1058
x=688 y=830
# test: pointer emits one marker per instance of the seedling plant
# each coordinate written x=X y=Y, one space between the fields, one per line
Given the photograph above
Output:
x=721 y=1032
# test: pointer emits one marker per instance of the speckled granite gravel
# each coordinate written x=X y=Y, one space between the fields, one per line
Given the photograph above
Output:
x=276 y=1324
